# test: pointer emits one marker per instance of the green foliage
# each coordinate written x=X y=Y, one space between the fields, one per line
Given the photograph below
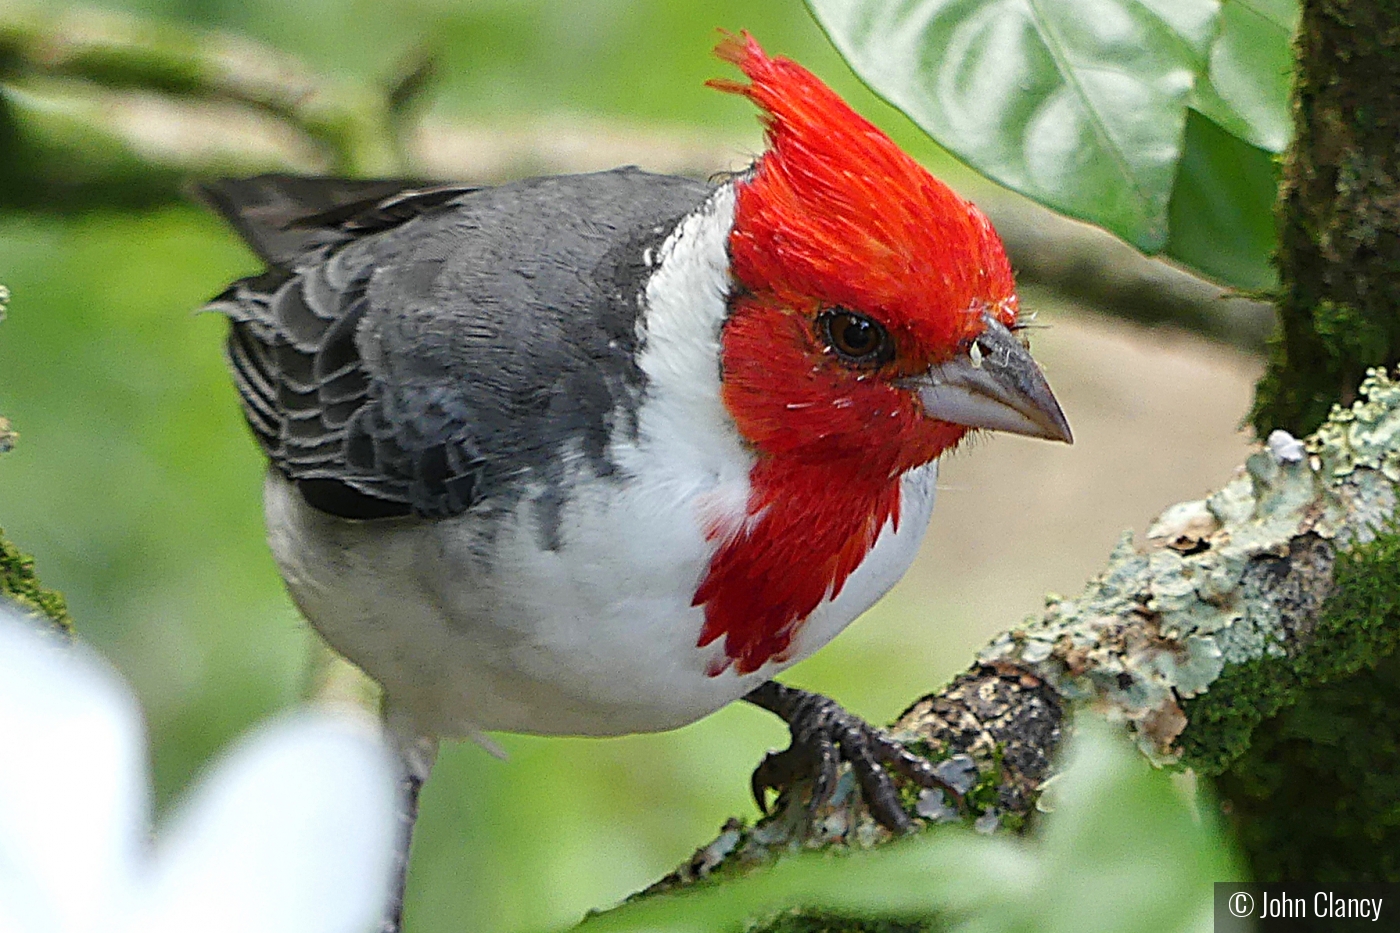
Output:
x=1123 y=851
x=1245 y=89
x=1154 y=120
x=1222 y=224
x=1035 y=96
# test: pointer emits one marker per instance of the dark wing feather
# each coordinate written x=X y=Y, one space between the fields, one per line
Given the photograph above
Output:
x=282 y=217
x=415 y=348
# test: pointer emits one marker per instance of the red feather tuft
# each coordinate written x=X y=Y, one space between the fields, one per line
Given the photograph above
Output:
x=764 y=583
x=834 y=214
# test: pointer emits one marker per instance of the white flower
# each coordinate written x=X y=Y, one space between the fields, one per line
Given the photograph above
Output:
x=294 y=830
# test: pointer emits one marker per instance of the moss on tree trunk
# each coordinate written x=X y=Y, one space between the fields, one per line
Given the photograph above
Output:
x=1339 y=249
x=17 y=580
x=18 y=583
x=1317 y=793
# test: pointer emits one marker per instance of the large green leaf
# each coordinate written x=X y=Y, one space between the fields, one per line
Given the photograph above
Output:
x=1079 y=104
x=1246 y=88
x=1221 y=214
x=1222 y=220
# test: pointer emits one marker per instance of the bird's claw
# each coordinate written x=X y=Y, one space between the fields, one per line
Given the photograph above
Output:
x=823 y=734
x=779 y=770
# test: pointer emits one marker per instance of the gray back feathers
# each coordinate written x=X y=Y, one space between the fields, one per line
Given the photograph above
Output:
x=420 y=349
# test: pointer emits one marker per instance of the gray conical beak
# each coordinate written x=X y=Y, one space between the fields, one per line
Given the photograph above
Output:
x=997 y=386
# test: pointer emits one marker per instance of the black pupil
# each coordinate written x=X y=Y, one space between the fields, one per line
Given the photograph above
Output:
x=855 y=335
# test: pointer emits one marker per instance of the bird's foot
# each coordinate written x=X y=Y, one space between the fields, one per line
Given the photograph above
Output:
x=824 y=734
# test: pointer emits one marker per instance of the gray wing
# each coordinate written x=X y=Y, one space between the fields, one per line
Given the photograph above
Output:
x=417 y=349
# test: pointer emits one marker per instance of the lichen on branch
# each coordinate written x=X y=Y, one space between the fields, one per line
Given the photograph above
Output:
x=1222 y=584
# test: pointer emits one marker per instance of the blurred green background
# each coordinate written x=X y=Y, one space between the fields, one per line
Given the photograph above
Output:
x=137 y=488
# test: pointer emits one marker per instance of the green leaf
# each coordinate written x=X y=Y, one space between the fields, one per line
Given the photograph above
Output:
x=1080 y=105
x=1246 y=88
x=1222 y=218
x=1125 y=852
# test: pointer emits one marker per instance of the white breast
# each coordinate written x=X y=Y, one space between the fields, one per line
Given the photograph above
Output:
x=598 y=636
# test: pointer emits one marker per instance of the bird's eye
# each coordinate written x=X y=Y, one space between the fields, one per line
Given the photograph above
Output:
x=855 y=337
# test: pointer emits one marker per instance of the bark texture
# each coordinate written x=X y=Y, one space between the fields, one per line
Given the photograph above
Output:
x=1339 y=212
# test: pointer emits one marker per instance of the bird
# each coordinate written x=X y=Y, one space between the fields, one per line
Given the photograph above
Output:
x=600 y=454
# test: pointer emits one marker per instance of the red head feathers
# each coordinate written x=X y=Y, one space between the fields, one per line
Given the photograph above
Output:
x=837 y=212
x=859 y=271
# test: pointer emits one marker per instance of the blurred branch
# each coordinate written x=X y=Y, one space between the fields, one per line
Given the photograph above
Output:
x=133 y=95
x=1231 y=609
x=1092 y=267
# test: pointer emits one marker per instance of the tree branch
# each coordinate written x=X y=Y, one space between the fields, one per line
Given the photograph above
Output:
x=87 y=93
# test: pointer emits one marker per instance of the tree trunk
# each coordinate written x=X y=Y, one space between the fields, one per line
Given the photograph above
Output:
x=1339 y=212
x=1317 y=794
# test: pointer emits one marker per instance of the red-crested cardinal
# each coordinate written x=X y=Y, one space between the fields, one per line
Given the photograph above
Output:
x=600 y=454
